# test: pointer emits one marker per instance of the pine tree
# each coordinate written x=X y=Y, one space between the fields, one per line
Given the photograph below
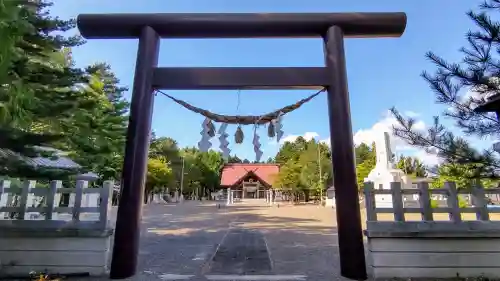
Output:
x=37 y=93
x=98 y=134
x=461 y=87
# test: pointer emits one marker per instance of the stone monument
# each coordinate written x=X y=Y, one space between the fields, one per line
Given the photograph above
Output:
x=385 y=171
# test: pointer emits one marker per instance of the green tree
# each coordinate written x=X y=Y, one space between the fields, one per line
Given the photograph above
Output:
x=193 y=178
x=411 y=166
x=37 y=92
x=364 y=152
x=464 y=175
x=159 y=176
x=288 y=177
x=365 y=162
x=97 y=139
x=210 y=166
x=453 y=83
x=167 y=149
x=234 y=159
x=305 y=167
x=290 y=150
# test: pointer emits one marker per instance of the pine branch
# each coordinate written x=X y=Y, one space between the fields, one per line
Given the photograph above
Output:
x=438 y=140
x=461 y=87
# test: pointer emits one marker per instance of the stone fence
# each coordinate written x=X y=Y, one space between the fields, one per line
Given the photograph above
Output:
x=426 y=247
x=37 y=234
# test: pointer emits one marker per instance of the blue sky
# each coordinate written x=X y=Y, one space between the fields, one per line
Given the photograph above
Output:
x=382 y=72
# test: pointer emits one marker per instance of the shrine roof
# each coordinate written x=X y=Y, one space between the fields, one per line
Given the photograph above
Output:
x=232 y=173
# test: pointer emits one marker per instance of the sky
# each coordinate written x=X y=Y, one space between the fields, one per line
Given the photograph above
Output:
x=382 y=72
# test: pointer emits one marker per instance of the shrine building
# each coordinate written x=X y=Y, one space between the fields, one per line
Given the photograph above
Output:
x=249 y=180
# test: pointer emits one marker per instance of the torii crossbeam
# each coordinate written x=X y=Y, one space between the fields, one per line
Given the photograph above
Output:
x=149 y=28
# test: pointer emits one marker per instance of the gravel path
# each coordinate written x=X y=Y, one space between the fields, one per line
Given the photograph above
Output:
x=198 y=241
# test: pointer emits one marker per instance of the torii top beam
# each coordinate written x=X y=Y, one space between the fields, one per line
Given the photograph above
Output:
x=241 y=25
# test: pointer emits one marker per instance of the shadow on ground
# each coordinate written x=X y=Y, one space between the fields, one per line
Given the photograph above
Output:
x=201 y=239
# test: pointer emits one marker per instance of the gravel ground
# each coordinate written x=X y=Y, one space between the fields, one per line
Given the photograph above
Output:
x=198 y=241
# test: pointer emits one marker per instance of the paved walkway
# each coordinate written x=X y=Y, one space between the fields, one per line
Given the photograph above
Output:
x=246 y=241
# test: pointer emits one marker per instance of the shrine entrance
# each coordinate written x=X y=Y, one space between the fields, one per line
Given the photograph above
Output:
x=149 y=28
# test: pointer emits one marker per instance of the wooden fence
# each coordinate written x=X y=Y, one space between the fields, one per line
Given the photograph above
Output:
x=480 y=208
x=49 y=212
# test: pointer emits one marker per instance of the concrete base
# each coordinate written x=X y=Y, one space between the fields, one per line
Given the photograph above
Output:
x=54 y=251
x=434 y=256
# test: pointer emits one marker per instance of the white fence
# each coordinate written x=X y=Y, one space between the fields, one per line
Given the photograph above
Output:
x=29 y=206
x=424 y=193
x=425 y=247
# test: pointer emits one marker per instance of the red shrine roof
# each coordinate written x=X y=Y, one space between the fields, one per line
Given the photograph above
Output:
x=232 y=173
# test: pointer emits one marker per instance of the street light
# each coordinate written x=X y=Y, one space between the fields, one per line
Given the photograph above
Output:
x=320 y=174
x=182 y=179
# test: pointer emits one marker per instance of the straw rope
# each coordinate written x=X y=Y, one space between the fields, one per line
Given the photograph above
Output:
x=243 y=119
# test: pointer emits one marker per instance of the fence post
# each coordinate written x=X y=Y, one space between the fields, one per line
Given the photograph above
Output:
x=453 y=202
x=424 y=199
x=4 y=196
x=369 y=191
x=479 y=200
x=80 y=185
x=51 y=197
x=105 y=206
x=397 y=201
x=23 y=203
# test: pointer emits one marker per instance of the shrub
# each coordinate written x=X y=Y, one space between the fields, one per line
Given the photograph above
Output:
x=462 y=203
x=434 y=203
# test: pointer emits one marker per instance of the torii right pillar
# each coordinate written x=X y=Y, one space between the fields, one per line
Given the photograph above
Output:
x=350 y=236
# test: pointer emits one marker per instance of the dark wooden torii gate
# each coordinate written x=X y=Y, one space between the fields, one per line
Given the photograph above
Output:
x=149 y=28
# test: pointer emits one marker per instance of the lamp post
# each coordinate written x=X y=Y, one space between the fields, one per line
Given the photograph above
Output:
x=182 y=181
x=320 y=174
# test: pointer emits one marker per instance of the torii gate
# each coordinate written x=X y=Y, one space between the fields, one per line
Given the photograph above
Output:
x=149 y=28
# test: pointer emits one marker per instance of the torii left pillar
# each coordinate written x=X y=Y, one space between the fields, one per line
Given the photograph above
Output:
x=136 y=156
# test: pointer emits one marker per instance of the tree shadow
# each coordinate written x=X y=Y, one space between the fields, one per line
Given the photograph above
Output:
x=184 y=239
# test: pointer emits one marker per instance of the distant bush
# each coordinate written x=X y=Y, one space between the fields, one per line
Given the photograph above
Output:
x=434 y=203
x=462 y=203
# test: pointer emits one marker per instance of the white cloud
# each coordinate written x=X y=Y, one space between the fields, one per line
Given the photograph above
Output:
x=411 y=114
x=368 y=136
x=428 y=159
x=398 y=145
x=307 y=136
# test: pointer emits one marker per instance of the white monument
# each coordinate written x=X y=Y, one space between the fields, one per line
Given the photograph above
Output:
x=385 y=171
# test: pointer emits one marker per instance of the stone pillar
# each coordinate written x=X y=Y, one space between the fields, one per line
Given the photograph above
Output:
x=228 y=202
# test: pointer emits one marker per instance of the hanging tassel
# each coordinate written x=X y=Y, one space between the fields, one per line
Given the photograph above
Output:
x=238 y=136
x=256 y=146
x=271 y=132
x=279 y=126
x=211 y=129
x=204 y=144
x=223 y=143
